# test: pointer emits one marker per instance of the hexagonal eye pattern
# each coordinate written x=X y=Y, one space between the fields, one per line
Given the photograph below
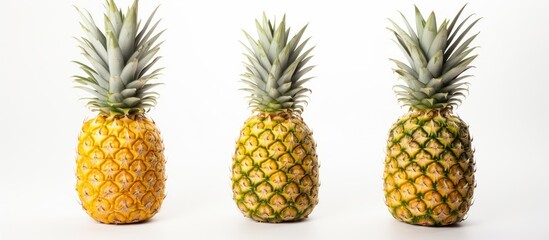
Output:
x=427 y=180
x=120 y=169
x=275 y=169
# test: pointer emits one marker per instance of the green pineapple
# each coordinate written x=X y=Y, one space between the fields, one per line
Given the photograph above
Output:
x=275 y=166
x=429 y=168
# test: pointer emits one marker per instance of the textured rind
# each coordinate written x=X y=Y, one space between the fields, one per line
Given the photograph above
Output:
x=429 y=169
x=120 y=169
x=275 y=169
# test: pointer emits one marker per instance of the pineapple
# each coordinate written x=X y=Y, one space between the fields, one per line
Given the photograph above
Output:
x=429 y=167
x=120 y=161
x=275 y=166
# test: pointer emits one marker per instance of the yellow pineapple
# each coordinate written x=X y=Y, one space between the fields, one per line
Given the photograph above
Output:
x=429 y=167
x=120 y=162
x=275 y=166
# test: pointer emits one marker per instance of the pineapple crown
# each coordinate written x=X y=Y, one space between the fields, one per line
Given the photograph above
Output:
x=120 y=58
x=437 y=58
x=275 y=68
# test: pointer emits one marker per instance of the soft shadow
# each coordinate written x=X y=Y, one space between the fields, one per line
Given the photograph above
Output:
x=150 y=220
x=293 y=222
x=455 y=225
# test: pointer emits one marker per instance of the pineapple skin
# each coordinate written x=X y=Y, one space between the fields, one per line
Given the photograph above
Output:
x=275 y=169
x=120 y=169
x=429 y=168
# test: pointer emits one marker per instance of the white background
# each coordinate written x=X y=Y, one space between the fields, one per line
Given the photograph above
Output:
x=201 y=110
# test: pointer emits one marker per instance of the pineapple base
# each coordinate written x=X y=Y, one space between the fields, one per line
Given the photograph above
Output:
x=275 y=169
x=429 y=168
x=120 y=169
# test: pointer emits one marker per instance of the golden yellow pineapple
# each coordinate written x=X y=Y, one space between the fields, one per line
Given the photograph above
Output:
x=120 y=162
x=429 y=167
x=275 y=166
